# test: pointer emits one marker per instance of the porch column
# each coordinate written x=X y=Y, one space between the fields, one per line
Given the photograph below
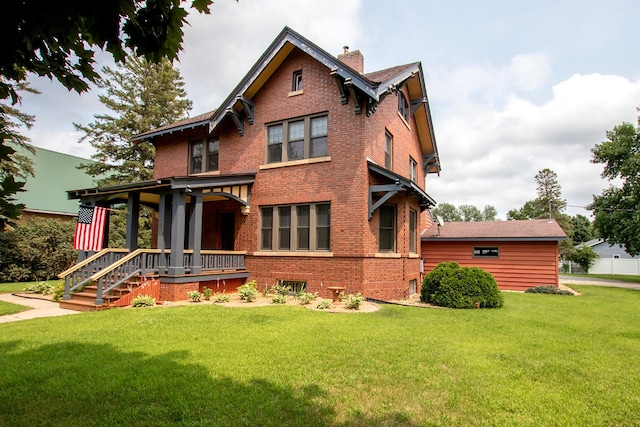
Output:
x=133 y=221
x=164 y=229
x=195 y=233
x=176 y=260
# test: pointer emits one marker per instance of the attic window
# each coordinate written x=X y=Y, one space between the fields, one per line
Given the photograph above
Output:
x=296 y=84
x=485 y=252
x=403 y=106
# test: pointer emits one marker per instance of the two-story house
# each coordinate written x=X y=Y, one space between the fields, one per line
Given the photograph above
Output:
x=310 y=173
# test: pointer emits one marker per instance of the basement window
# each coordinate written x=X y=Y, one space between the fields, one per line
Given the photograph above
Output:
x=485 y=252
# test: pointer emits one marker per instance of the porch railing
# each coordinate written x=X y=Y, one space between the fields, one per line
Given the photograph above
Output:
x=111 y=267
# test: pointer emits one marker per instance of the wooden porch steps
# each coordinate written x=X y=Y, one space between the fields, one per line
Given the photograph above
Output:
x=86 y=299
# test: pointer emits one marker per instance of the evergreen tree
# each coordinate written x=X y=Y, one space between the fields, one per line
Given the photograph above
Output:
x=142 y=96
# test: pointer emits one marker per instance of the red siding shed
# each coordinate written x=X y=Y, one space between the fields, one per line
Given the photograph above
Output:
x=520 y=254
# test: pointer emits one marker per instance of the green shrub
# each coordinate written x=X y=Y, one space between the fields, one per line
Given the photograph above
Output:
x=206 y=293
x=58 y=293
x=143 y=301
x=584 y=256
x=353 y=302
x=248 y=291
x=547 y=290
x=324 y=304
x=38 y=250
x=431 y=282
x=194 y=296
x=42 y=288
x=280 y=290
x=461 y=287
x=306 y=297
x=278 y=299
x=221 y=297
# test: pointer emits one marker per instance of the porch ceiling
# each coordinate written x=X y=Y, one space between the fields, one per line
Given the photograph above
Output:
x=218 y=187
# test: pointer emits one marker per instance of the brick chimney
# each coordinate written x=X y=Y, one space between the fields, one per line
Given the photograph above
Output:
x=353 y=59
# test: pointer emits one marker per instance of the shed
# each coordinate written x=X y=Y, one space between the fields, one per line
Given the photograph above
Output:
x=519 y=254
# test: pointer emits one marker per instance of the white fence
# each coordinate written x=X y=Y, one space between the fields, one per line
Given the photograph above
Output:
x=616 y=266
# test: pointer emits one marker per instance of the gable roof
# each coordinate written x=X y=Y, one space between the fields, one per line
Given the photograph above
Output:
x=188 y=123
x=524 y=230
x=365 y=91
x=54 y=174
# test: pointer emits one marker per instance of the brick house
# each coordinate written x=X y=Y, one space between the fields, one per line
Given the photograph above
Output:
x=310 y=173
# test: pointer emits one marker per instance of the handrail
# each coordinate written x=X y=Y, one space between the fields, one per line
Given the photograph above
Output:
x=88 y=260
x=122 y=261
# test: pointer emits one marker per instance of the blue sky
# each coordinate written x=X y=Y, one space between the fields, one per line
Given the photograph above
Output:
x=514 y=87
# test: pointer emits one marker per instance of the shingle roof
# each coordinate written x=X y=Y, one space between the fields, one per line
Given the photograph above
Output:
x=534 y=229
x=199 y=120
x=384 y=75
x=55 y=173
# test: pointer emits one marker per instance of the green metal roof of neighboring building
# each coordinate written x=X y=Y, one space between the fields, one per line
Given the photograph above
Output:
x=55 y=173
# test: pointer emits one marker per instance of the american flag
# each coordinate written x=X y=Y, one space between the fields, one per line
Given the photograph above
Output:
x=90 y=228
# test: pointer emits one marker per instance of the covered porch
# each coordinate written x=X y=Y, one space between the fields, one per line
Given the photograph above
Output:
x=177 y=256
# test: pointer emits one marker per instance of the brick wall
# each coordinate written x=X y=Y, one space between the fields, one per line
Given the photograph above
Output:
x=343 y=181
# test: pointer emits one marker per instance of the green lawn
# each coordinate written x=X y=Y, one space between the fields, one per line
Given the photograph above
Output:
x=540 y=360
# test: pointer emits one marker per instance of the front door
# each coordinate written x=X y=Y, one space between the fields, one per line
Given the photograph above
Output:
x=227 y=230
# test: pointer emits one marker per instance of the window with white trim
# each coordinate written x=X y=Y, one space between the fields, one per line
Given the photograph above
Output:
x=304 y=227
x=296 y=84
x=297 y=139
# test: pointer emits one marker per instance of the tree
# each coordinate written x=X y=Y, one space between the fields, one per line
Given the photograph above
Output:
x=450 y=213
x=470 y=213
x=617 y=209
x=548 y=204
x=447 y=211
x=584 y=256
x=58 y=40
x=142 y=96
x=582 y=231
x=12 y=164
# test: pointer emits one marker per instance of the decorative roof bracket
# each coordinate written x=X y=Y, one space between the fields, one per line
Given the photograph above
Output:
x=344 y=99
x=247 y=106
x=431 y=163
x=390 y=190
x=355 y=96
x=416 y=103
x=238 y=120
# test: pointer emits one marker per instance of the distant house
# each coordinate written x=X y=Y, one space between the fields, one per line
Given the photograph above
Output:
x=45 y=194
x=612 y=259
x=606 y=250
x=520 y=254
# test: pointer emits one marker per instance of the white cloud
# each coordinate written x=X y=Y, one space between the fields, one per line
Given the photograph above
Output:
x=490 y=155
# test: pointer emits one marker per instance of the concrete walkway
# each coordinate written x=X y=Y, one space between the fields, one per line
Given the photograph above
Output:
x=39 y=308
x=586 y=280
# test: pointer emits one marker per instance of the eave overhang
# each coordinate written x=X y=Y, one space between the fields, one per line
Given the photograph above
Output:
x=493 y=239
x=231 y=186
x=397 y=183
x=268 y=63
x=150 y=136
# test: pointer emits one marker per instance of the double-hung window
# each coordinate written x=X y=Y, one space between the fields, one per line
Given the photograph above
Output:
x=413 y=227
x=305 y=227
x=204 y=155
x=298 y=139
x=403 y=106
x=387 y=232
x=388 y=150
x=413 y=170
